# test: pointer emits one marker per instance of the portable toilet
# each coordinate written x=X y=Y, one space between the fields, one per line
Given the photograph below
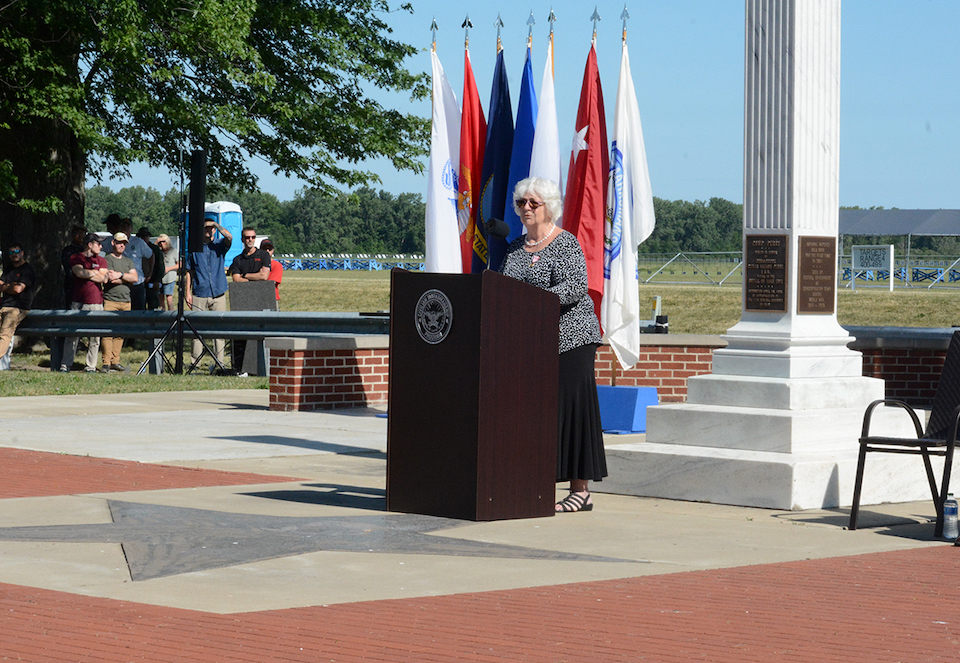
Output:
x=228 y=215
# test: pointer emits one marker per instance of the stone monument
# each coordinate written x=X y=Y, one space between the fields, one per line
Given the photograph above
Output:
x=776 y=424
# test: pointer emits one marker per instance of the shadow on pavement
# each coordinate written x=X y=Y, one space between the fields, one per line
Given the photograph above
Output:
x=313 y=445
x=352 y=497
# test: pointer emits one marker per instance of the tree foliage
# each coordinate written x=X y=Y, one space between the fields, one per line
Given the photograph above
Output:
x=100 y=84
x=142 y=80
x=365 y=221
x=696 y=226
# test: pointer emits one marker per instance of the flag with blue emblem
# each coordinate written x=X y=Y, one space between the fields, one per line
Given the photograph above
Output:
x=630 y=221
x=442 y=250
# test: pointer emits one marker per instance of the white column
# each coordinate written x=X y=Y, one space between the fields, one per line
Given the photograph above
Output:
x=777 y=423
x=791 y=189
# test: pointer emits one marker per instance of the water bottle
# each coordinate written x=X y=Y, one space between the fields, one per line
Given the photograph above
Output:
x=950 y=531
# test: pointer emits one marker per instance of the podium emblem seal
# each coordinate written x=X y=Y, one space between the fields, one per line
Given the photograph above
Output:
x=434 y=316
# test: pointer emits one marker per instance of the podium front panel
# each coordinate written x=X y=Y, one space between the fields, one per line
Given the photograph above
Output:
x=433 y=400
x=472 y=407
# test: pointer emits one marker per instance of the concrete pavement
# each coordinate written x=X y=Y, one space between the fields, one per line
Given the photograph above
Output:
x=286 y=511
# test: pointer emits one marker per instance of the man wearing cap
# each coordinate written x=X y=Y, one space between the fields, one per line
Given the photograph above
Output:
x=116 y=297
x=17 y=286
x=89 y=274
x=171 y=266
x=206 y=280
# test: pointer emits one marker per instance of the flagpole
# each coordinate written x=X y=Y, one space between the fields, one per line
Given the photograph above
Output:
x=551 y=20
x=625 y=15
x=466 y=25
x=498 y=25
x=595 y=17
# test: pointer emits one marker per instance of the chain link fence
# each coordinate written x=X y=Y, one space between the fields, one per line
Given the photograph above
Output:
x=684 y=268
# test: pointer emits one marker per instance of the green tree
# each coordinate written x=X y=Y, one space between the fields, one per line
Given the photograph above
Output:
x=695 y=226
x=101 y=84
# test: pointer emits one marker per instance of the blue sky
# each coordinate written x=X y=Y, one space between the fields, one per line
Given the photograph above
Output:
x=900 y=91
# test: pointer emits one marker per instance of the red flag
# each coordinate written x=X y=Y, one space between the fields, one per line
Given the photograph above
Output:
x=585 y=202
x=473 y=136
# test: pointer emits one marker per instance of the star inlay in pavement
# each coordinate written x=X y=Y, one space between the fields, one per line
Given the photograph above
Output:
x=163 y=541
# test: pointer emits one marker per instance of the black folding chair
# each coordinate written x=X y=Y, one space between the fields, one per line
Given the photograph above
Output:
x=939 y=438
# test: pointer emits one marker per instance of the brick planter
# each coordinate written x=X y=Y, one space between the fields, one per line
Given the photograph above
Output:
x=328 y=373
x=338 y=371
x=351 y=371
x=666 y=361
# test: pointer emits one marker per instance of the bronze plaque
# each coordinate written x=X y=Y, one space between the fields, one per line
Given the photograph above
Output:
x=766 y=273
x=817 y=278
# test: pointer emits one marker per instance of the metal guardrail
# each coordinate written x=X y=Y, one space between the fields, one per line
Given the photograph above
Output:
x=251 y=325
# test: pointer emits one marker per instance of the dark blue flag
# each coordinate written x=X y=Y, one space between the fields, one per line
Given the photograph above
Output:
x=496 y=171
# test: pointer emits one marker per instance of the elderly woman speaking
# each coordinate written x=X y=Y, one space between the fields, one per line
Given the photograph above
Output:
x=551 y=258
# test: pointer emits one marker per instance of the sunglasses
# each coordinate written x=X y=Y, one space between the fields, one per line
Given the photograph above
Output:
x=523 y=202
x=14 y=250
x=249 y=236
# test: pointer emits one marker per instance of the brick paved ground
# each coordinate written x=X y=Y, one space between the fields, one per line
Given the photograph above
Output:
x=894 y=606
x=890 y=606
x=37 y=474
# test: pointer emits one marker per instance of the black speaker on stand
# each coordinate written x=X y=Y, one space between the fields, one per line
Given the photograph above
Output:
x=198 y=197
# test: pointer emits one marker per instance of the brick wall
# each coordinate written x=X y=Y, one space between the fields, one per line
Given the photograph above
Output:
x=911 y=374
x=665 y=367
x=336 y=372
x=323 y=374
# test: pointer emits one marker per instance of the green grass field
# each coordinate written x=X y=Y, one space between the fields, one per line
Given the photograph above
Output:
x=691 y=309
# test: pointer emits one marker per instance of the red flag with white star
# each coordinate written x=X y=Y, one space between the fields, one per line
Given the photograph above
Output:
x=585 y=202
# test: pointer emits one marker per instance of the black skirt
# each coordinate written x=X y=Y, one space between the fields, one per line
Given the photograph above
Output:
x=580 y=452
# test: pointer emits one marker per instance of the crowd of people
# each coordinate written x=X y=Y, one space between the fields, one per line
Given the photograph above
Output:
x=126 y=271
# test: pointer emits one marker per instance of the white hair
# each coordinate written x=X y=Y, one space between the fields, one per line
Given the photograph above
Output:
x=544 y=189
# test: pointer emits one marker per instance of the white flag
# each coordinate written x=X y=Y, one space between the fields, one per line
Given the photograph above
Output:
x=545 y=158
x=630 y=221
x=442 y=252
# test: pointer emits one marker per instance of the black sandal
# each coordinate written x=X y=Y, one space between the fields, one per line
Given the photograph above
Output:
x=573 y=503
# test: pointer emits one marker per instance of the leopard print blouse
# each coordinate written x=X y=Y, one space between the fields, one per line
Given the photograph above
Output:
x=559 y=268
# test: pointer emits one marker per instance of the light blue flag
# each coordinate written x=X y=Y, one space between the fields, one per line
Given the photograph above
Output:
x=522 y=146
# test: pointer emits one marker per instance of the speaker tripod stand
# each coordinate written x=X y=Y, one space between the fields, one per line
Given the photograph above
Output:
x=176 y=328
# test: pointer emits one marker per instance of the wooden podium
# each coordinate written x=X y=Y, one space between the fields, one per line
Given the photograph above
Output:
x=472 y=423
